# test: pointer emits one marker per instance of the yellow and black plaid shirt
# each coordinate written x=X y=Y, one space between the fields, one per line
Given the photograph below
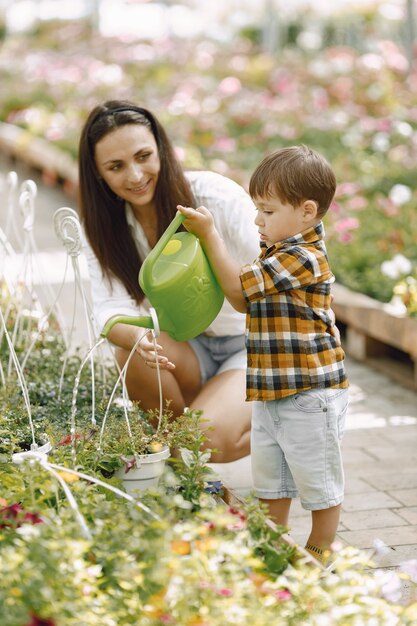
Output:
x=290 y=335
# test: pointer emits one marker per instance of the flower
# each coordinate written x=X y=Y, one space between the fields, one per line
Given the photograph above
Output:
x=400 y=194
x=410 y=568
x=68 y=440
x=14 y=516
x=397 y=266
x=283 y=594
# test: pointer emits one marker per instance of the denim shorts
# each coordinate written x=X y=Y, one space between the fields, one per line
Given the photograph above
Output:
x=219 y=354
x=295 y=445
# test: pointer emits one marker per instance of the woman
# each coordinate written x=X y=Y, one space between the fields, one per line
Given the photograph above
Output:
x=130 y=183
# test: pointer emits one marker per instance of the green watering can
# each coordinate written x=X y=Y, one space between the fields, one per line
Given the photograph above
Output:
x=180 y=285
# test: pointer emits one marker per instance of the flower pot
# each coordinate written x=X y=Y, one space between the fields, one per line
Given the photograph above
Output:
x=146 y=474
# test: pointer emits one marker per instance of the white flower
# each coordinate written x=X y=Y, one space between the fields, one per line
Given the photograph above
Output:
x=410 y=568
x=398 y=266
x=390 y=585
x=404 y=128
x=400 y=194
x=381 y=142
x=380 y=547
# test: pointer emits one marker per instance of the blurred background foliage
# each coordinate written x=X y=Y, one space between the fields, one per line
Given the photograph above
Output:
x=233 y=81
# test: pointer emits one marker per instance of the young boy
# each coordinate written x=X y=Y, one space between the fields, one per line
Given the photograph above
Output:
x=295 y=371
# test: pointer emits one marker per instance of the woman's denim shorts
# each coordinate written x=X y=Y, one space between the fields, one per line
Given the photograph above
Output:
x=219 y=354
x=295 y=445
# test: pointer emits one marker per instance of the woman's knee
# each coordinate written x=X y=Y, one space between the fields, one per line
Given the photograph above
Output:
x=143 y=385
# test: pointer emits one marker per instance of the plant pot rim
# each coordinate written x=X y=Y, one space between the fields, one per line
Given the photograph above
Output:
x=152 y=457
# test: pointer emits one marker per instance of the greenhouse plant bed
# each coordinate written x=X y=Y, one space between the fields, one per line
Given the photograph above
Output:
x=377 y=335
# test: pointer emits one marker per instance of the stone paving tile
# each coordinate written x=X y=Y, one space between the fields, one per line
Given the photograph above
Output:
x=396 y=479
x=392 y=536
x=358 y=437
x=408 y=497
x=405 y=434
x=409 y=513
x=354 y=456
x=356 y=485
x=375 y=518
x=396 y=555
x=390 y=452
x=369 y=501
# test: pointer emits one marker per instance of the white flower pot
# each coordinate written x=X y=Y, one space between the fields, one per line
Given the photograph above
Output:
x=146 y=474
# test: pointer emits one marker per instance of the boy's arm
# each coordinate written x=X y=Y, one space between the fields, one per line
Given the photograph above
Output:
x=200 y=222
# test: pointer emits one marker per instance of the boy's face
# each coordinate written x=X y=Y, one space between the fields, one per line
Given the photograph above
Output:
x=277 y=221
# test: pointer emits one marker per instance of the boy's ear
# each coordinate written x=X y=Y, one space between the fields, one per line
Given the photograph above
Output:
x=310 y=209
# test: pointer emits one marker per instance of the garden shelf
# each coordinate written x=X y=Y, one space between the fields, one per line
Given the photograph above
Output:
x=373 y=333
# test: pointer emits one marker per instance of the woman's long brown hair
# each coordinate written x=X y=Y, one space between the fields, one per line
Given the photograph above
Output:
x=102 y=212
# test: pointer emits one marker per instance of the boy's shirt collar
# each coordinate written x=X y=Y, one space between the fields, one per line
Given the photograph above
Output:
x=311 y=235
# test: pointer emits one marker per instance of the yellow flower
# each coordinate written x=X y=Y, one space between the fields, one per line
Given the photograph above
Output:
x=16 y=592
x=69 y=478
x=206 y=544
x=179 y=546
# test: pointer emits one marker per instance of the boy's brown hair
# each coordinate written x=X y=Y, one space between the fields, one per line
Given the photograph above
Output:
x=295 y=174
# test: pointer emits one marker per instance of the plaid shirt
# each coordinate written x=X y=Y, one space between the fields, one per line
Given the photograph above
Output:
x=290 y=335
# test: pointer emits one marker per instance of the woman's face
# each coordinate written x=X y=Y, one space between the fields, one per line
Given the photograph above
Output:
x=127 y=159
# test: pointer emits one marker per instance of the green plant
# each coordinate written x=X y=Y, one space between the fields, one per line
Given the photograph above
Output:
x=117 y=444
x=75 y=552
x=190 y=466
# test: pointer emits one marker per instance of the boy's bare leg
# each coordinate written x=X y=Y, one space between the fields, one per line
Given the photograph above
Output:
x=279 y=510
x=324 y=527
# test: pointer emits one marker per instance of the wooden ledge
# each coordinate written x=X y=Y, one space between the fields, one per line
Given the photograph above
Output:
x=375 y=333
x=37 y=152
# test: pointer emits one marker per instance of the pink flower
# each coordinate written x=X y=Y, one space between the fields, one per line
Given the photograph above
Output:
x=225 y=144
x=347 y=189
x=14 y=516
x=348 y=223
x=179 y=153
x=230 y=86
x=225 y=592
x=356 y=203
x=335 y=208
x=283 y=594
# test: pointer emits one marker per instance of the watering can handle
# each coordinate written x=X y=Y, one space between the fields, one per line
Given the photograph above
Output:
x=152 y=320
x=143 y=321
x=162 y=242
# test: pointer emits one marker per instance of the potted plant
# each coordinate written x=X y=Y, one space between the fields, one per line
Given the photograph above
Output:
x=133 y=450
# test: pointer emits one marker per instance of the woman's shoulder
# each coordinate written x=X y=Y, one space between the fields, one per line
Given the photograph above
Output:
x=205 y=183
x=221 y=195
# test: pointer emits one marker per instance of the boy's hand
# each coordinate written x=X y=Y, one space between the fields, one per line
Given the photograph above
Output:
x=198 y=221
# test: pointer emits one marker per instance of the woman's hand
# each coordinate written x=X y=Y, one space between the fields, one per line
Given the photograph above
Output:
x=149 y=352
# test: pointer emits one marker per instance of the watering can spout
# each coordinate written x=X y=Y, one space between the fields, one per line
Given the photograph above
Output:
x=179 y=283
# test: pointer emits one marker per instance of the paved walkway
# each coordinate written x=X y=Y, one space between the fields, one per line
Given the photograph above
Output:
x=380 y=445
